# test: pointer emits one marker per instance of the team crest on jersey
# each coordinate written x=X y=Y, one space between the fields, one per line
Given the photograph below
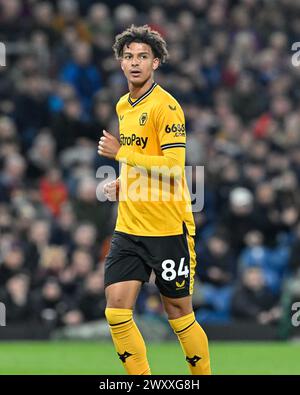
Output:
x=143 y=118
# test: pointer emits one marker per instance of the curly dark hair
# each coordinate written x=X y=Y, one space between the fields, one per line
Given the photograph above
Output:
x=141 y=34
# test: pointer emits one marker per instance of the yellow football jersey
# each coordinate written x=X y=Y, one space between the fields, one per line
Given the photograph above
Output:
x=154 y=198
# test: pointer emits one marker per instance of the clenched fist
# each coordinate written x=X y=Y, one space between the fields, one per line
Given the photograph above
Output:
x=111 y=190
x=108 y=145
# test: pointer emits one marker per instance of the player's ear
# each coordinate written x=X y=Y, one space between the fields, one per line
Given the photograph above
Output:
x=121 y=62
x=156 y=63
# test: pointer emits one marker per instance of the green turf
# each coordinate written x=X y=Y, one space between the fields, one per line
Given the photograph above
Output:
x=100 y=358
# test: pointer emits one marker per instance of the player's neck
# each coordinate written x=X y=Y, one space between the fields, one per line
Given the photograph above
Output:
x=136 y=92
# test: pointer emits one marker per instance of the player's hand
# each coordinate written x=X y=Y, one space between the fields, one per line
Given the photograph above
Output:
x=111 y=190
x=108 y=145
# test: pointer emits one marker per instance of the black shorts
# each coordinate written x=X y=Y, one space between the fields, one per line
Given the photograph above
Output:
x=172 y=258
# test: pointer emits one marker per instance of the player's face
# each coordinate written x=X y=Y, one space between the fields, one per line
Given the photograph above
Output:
x=138 y=63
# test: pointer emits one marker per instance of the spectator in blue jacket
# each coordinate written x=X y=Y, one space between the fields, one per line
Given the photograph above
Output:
x=82 y=74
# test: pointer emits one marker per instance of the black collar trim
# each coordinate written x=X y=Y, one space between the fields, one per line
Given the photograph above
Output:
x=134 y=103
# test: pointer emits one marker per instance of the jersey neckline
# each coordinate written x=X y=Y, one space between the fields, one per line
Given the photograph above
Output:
x=147 y=93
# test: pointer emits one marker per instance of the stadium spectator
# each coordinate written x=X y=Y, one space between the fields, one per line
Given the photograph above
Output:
x=12 y=176
x=48 y=304
x=239 y=218
x=81 y=265
x=41 y=156
x=266 y=212
x=52 y=263
x=63 y=226
x=53 y=191
x=102 y=114
x=92 y=300
x=216 y=270
x=216 y=263
x=39 y=234
x=272 y=262
x=31 y=108
x=11 y=12
x=43 y=15
x=17 y=301
x=68 y=15
x=68 y=125
x=252 y=300
x=84 y=237
x=88 y=209
x=13 y=263
x=82 y=74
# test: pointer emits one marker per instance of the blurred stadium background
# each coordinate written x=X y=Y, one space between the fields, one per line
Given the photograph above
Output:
x=230 y=68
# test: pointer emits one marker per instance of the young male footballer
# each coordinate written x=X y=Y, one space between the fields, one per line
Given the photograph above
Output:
x=152 y=233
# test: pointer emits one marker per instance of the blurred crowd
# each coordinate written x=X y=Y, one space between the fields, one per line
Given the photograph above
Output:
x=230 y=68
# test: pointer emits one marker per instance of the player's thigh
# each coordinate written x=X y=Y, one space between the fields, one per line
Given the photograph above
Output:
x=174 y=266
x=125 y=271
x=122 y=295
x=177 y=307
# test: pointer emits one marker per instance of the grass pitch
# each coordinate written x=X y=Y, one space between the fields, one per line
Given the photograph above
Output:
x=165 y=358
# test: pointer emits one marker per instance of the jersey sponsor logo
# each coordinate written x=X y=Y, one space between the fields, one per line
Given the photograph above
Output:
x=133 y=140
x=177 y=129
x=173 y=108
x=143 y=118
x=121 y=117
